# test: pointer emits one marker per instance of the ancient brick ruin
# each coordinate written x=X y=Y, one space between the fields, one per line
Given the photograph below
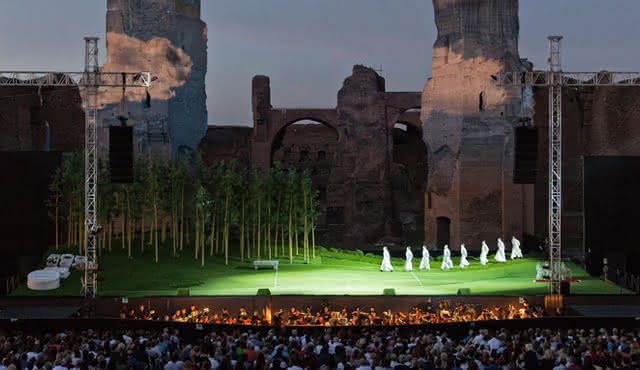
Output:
x=468 y=126
x=350 y=152
x=169 y=38
x=32 y=119
x=438 y=164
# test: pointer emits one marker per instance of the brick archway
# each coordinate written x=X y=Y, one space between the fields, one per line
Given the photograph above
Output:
x=280 y=119
x=276 y=140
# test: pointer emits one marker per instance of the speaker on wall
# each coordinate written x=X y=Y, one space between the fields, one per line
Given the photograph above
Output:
x=121 y=154
x=526 y=160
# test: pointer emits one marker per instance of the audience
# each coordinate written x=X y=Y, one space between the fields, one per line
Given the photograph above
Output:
x=332 y=348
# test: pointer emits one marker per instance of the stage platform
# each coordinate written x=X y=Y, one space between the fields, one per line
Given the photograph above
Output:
x=331 y=273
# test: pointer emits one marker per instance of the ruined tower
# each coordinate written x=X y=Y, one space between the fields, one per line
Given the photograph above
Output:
x=468 y=126
x=168 y=38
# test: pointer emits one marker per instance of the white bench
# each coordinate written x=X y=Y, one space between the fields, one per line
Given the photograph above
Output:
x=258 y=263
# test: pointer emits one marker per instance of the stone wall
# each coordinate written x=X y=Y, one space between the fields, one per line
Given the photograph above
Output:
x=226 y=143
x=350 y=153
x=595 y=122
x=167 y=38
x=468 y=125
x=25 y=114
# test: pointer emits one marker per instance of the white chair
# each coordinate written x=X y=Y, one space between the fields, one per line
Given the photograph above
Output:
x=79 y=260
x=53 y=260
x=66 y=260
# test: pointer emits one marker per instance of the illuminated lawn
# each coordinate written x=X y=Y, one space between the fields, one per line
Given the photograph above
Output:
x=332 y=273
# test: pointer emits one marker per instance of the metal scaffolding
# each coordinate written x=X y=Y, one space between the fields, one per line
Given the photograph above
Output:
x=89 y=81
x=555 y=79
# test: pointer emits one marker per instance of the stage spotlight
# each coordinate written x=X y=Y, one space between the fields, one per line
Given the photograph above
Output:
x=95 y=229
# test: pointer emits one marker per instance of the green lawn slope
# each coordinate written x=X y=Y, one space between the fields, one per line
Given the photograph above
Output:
x=332 y=272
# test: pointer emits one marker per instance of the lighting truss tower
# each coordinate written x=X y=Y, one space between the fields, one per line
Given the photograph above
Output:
x=89 y=81
x=555 y=80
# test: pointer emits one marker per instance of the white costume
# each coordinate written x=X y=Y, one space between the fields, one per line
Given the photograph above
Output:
x=408 y=265
x=424 y=262
x=386 y=260
x=463 y=257
x=516 y=252
x=484 y=253
x=500 y=256
x=446 y=259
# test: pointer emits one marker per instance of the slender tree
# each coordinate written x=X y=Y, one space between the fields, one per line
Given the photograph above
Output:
x=305 y=184
x=55 y=199
x=153 y=183
x=291 y=199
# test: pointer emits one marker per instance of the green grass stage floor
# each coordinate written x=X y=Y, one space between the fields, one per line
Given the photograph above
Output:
x=333 y=272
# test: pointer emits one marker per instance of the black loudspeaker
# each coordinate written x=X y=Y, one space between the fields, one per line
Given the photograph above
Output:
x=121 y=154
x=263 y=292
x=526 y=162
x=464 y=291
x=565 y=288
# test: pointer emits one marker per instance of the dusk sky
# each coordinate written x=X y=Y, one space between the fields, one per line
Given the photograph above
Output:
x=308 y=47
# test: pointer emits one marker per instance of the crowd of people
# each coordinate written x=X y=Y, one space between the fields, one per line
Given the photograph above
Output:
x=331 y=348
x=423 y=314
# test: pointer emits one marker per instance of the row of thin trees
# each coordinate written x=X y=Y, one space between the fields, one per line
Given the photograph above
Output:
x=212 y=209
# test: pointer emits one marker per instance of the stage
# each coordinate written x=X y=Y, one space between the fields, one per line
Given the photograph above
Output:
x=331 y=273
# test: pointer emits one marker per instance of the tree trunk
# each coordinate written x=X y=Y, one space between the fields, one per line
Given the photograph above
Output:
x=130 y=226
x=197 y=236
x=57 y=231
x=202 y=239
x=122 y=224
x=151 y=228
x=248 y=236
x=213 y=233
x=214 y=239
x=242 y=231
x=268 y=231
x=155 y=227
x=253 y=233
x=305 y=231
x=226 y=230
x=182 y=219
x=275 y=240
x=277 y=222
x=142 y=234
x=313 y=240
x=282 y=239
x=69 y=223
x=163 y=227
x=289 y=232
x=186 y=231
x=295 y=230
x=110 y=234
x=259 y=231
x=174 y=231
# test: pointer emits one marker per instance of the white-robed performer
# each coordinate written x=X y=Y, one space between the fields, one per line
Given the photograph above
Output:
x=484 y=254
x=386 y=260
x=516 y=252
x=408 y=265
x=463 y=257
x=447 y=264
x=500 y=255
x=424 y=262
